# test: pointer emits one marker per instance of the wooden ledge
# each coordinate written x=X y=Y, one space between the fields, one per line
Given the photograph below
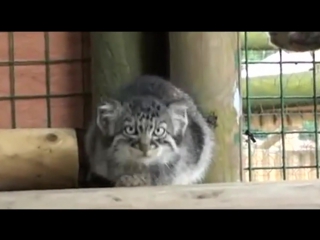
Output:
x=282 y=195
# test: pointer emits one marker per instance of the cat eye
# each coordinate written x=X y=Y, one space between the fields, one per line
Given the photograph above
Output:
x=129 y=130
x=159 y=132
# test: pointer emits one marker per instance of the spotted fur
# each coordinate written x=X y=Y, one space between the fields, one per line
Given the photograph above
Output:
x=295 y=41
x=153 y=129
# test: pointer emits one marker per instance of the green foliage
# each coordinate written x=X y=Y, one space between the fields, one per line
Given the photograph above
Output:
x=256 y=55
x=308 y=126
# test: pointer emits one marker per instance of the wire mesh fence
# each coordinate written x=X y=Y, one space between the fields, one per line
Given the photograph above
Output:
x=45 y=79
x=280 y=100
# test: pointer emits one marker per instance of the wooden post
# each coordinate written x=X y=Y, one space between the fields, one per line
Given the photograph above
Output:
x=205 y=64
x=117 y=57
x=32 y=159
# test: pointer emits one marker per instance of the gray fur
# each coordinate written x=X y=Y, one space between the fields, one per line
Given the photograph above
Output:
x=153 y=129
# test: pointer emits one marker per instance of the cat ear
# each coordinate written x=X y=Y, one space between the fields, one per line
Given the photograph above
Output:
x=107 y=113
x=178 y=113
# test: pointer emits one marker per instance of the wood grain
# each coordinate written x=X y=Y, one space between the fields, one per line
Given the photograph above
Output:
x=277 y=195
x=38 y=159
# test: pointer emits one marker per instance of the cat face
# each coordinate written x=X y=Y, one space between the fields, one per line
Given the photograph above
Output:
x=143 y=129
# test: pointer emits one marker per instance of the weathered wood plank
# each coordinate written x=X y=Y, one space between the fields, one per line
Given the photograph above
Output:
x=284 y=195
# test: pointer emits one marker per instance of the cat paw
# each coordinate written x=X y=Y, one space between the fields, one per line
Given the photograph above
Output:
x=132 y=181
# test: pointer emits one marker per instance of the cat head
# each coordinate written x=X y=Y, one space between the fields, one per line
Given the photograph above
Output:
x=143 y=128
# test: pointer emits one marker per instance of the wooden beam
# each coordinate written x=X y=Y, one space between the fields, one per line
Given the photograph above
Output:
x=279 y=195
x=38 y=159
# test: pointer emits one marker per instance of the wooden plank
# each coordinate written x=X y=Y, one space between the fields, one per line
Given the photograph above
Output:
x=38 y=159
x=284 y=195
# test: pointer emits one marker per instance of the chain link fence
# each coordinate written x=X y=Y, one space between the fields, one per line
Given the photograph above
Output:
x=45 y=79
x=280 y=103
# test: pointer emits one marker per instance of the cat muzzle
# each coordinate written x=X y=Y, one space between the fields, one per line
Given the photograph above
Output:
x=144 y=148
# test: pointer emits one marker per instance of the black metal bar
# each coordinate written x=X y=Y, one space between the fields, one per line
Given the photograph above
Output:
x=12 y=79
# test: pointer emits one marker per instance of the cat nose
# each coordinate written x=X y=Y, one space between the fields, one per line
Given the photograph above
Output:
x=144 y=148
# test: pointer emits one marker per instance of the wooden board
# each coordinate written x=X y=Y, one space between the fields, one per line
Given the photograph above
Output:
x=207 y=196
